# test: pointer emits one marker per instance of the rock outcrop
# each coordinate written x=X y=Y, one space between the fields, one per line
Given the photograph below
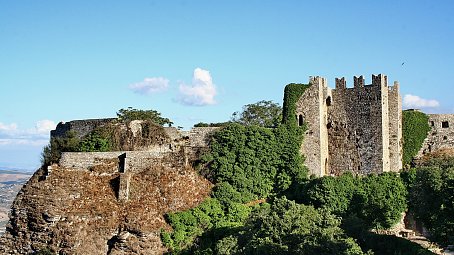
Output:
x=77 y=211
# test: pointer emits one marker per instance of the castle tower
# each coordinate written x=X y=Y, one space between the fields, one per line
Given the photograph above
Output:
x=355 y=129
x=312 y=110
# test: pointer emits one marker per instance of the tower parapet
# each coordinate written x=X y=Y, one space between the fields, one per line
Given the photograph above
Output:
x=341 y=83
x=380 y=80
x=358 y=82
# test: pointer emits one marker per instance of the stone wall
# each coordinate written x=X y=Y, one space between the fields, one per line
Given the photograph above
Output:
x=80 y=127
x=395 y=128
x=312 y=111
x=135 y=160
x=356 y=130
x=441 y=135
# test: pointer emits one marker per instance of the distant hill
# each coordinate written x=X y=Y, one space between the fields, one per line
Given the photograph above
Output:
x=11 y=181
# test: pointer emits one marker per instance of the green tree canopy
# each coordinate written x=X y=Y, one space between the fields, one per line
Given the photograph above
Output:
x=263 y=113
x=285 y=227
x=130 y=114
x=431 y=199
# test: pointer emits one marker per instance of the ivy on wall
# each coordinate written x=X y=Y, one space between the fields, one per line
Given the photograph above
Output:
x=292 y=93
x=415 y=126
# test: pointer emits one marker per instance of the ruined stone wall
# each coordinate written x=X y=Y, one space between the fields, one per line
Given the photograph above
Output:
x=136 y=160
x=80 y=127
x=311 y=110
x=395 y=128
x=441 y=135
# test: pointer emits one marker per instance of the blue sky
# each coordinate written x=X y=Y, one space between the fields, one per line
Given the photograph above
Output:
x=202 y=60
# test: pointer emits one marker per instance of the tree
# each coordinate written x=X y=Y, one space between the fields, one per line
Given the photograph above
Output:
x=263 y=113
x=52 y=152
x=378 y=200
x=130 y=114
x=431 y=199
x=285 y=227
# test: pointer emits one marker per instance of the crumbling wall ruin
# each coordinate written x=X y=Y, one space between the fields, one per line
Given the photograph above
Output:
x=441 y=135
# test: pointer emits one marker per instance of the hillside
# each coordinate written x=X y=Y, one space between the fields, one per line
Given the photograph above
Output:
x=77 y=211
x=11 y=182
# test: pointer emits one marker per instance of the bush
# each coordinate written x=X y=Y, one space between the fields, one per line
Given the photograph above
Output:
x=431 y=199
x=285 y=227
x=95 y=141
x=130 y=114
x=52 y=152
x=379 y=200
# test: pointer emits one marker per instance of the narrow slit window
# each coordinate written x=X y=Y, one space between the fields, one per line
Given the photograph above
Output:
x=432 y=123
x=328 y=101
x=300 y=120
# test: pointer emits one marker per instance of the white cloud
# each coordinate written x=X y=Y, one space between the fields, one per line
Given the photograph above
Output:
x=150 y=85
x=10 y=134
x=201 y=92
x=412 y=101
x=8 y=128
x=45 y=126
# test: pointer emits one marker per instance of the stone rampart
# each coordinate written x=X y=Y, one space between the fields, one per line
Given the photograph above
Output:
x=135 y=161
x=80 y=127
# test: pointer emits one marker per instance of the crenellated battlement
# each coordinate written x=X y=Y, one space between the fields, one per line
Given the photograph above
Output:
x=341 y=83
x=358 y=82
x=318 y=80
x=380 y=80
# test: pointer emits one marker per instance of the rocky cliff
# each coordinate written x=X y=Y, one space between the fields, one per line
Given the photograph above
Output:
x=77 y=211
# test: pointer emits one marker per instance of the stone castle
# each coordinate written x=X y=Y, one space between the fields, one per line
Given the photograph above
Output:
x=355 y=129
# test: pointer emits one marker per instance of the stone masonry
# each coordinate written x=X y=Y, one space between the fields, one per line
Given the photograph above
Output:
x=355 y=129
x=441 y=135
x=182 y=147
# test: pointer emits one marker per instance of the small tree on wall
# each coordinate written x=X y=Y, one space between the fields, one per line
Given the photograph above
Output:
x=130 y=114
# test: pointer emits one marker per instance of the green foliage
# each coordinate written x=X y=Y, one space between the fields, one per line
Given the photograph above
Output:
x=210 y=215
x=380 y=244
x=52 y=152
x=246 y=163
x=130 y=114
x=292 y=93
x=333 y=193
x=431 y=200
x=95 y=141
x=383 y=200
x=217 y=124
x=285 y=227
x=379 y=200
x=256 y=161
x=263 y=113
x=415 y=127
x=191 y=223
